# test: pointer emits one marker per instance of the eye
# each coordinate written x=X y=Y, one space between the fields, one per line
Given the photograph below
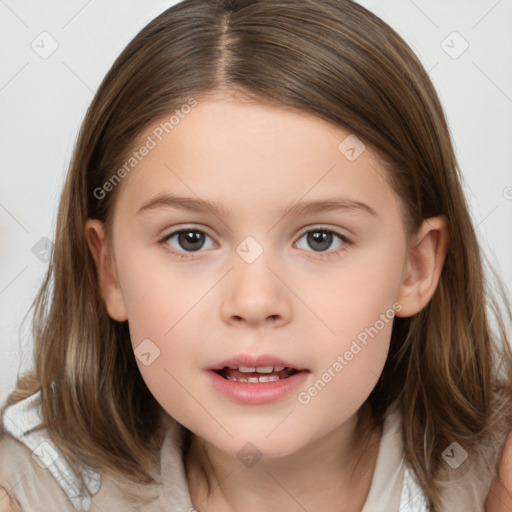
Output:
x=186 y=240
x=321 y=239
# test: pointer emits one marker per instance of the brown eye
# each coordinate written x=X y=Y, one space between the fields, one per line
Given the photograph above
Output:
x=191 y=240
x=320 y=240
x=187 y=240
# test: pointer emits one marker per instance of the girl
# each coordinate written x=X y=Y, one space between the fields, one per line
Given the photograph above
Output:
x=266 y=288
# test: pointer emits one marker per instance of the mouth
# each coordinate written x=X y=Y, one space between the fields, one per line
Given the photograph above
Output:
x=257 y=380
x=256 y=374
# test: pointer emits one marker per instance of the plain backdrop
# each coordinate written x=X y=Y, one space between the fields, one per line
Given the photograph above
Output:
x=465 y=46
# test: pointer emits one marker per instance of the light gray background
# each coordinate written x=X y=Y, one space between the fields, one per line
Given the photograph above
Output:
x=43 y=101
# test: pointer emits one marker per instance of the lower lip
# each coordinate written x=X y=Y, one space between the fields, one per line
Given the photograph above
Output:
x=257 y=393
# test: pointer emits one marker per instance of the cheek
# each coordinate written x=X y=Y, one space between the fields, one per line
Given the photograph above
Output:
x=166 y=306
x=358 y=305
x=356 y=295
x=349 y=363
x=159 y=294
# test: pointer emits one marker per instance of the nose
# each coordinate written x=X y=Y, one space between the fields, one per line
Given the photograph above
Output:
x=256 y=294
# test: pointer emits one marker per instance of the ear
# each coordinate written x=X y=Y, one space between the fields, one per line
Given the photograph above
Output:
x=109 y=287
x=423 y=266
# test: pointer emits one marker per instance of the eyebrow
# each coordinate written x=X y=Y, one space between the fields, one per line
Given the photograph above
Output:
x=301 y=208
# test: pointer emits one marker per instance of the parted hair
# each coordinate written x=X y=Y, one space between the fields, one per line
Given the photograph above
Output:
x=449 y=366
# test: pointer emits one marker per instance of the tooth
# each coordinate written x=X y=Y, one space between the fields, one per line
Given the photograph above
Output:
x=263 y=378
x=264 y=369
x=246 y=369
x=269 y=378
x=278 y=368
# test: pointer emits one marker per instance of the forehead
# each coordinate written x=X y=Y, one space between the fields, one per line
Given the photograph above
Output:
x=252 y=157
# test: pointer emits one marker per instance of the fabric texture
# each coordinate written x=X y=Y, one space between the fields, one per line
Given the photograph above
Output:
x=39 y=479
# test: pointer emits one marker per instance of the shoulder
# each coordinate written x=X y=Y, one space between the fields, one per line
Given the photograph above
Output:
x=8 y=450
x=500 y=493
x=505 y=467
x=6 y=503
x=15 y=459
x=32 y=470
x=29 y=476
x=18 y=470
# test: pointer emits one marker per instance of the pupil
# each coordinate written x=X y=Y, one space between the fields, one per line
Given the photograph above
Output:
x=191 y=240
x=322 y=238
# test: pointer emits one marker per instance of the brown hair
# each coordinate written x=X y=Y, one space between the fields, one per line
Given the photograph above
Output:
x=332 y=59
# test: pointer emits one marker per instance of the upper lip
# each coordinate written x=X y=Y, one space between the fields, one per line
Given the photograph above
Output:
x=255 y=361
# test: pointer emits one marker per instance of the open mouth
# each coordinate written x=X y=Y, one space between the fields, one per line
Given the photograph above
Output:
x=260 y=374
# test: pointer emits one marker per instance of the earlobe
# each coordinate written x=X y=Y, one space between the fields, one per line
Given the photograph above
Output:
x=424 y=265
x=110 y=290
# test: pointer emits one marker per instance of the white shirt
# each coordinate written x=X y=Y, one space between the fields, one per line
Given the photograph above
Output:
x=393 y=488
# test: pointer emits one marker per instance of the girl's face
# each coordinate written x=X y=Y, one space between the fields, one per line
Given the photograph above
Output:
x=316 y=287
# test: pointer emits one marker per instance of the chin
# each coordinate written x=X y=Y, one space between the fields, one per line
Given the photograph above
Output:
x=245 y=447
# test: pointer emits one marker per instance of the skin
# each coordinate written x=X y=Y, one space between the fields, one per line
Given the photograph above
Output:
x=292 y=301
x=499 y=498
x=6 y=503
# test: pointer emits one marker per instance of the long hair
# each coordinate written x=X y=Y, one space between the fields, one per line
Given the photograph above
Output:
x=337 y=61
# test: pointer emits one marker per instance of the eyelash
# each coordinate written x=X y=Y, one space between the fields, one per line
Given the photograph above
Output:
x=320 y=255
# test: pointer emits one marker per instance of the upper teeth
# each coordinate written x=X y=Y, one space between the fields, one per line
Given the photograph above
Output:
x=259 y=369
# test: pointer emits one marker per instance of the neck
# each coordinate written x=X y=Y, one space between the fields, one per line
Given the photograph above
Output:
x=333 y=472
